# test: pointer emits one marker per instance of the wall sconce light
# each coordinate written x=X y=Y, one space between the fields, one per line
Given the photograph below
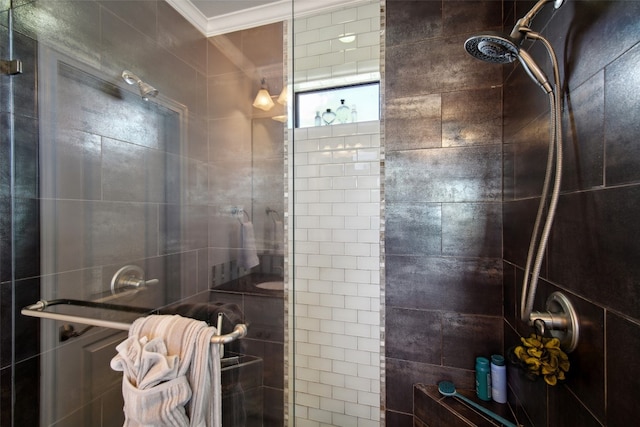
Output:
x=263 y=99
x=282 y=98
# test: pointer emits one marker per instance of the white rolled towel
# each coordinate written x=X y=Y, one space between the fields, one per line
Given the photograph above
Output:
x=171 y=373
x=154 y=391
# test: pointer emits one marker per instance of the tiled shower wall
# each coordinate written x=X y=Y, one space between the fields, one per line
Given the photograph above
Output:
x=337 y=268
x=594 y=246
x=337 y=232
x=443 y=188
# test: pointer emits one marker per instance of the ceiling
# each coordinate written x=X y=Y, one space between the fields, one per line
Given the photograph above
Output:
x=214 y=17
x=213 y=8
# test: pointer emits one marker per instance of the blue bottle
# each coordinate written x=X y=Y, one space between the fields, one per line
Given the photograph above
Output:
x=483 y=378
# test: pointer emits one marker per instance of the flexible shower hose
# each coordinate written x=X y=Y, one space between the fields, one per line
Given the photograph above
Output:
x=530 y=285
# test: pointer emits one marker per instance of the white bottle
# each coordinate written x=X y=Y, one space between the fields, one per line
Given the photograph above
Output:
x=498 y=379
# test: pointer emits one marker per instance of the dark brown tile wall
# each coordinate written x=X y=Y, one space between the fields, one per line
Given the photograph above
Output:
x=443 y=188
x=594 y=246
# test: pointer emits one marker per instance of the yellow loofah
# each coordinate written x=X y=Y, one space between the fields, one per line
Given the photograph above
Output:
x=543 y=356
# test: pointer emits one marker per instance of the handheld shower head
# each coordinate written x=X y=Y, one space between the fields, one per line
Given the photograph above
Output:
x=532 y=69
x=146 y=90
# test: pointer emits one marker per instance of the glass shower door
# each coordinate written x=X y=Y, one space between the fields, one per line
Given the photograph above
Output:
x=97 y=179
x=102 y=179
x=110 y=192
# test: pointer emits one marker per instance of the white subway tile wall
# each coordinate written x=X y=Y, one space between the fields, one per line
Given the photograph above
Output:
x=337 y=273
x=336 y=173
x=319 y=54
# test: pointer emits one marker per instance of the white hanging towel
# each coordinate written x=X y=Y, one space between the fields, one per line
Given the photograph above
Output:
x=248 y=251
x=278 y=239
x=171 y=373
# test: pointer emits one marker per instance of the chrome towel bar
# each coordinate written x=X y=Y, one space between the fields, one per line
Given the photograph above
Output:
x=38 y=310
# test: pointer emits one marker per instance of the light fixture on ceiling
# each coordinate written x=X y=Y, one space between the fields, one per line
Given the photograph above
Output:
x=347 y=37
x=263 y=99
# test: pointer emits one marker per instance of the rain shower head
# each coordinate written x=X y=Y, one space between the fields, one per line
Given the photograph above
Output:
x=492 y=47
x=500 y=49
x=146 y=90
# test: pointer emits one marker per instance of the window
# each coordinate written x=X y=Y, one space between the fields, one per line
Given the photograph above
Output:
x=347 y=104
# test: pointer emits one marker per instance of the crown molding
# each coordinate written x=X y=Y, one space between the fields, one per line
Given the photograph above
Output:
x=269 y=13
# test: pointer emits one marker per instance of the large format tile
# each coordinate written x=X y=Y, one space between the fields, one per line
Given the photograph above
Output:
x=623 y=376
x=258 y=48
x=530 y=154
x=523 y=101
x=566 y=410
x=472 y=117
x=472 y=229
x=592 y=249
x=411 y=21
x=144 y=182
x=71 y=166
x=26 y=237
x=413 y=122
x=622 y=126
x=414 y=335
x=83 y=234
x=465 y=337
x=25 y=150
x=583 y=130
x=27 y=373
x=463 y=285
x=69 y=26
x=471 y=15
x=413 y=228
x=444 y=175
x=518 y=221
x=589 y=35
x=25 y=86
x=181 y=38
x=183 y=228
x=142 y=15
x=435 y=66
